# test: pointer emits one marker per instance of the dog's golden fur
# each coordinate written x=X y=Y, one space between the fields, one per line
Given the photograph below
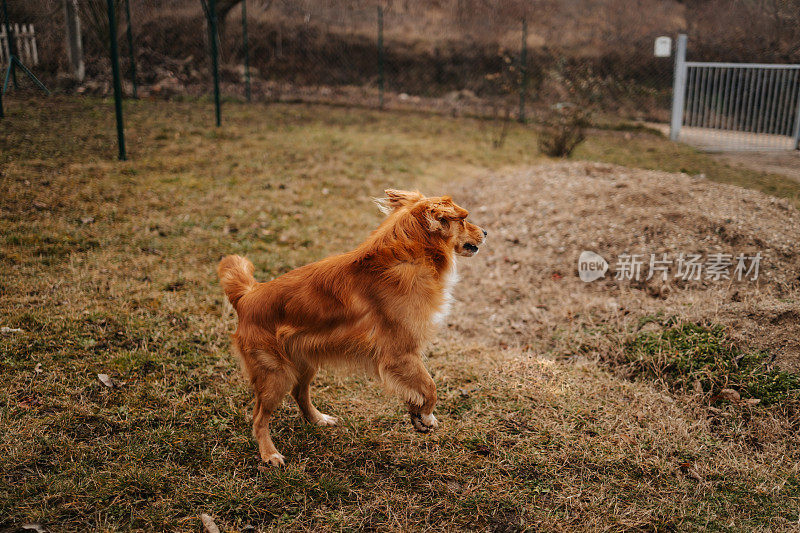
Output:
x=375 y=307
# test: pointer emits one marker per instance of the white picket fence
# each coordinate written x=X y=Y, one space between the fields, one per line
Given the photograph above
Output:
x=25 y=40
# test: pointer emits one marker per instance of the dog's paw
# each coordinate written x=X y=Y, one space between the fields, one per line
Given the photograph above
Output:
x=273 y=460
x=326 y=420
x=424 y=423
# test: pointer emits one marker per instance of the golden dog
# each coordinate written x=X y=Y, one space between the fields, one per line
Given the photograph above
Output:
x=376 y=306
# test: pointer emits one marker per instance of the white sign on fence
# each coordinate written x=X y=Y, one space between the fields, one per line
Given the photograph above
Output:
x=663 y=47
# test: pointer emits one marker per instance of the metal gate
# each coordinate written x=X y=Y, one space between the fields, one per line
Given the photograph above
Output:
x=735 y=106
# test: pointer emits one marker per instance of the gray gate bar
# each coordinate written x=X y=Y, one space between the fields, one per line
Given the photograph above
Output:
x=735 y=106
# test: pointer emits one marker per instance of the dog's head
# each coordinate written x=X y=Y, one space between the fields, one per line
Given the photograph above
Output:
x=439 y=216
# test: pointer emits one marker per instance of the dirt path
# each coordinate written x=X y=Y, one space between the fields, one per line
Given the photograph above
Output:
x=783 y=162
x=523 y=289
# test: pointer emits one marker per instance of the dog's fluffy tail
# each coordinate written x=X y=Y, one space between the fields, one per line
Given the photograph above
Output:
x=236 y=276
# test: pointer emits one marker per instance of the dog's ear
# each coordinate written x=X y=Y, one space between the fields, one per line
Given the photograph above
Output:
x=442 y=213
x=395 y=198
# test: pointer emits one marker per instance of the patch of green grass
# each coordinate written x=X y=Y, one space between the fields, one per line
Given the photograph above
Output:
x=686 y=354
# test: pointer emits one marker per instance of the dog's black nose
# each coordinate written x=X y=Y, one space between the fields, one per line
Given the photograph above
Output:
x=484 y=233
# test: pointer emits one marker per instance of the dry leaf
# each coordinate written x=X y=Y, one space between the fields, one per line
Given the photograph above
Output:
x=6 y=329
x=209 y=524
x=38 y=368
x=730 y=395
x=454 y=486
x=106 y=380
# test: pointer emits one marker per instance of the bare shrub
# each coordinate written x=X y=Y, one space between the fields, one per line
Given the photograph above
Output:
x=94 y=17
x=502 y=84
x=563 y=130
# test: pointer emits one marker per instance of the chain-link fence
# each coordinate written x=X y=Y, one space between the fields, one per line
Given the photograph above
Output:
x=504 y=59
x=457 y=56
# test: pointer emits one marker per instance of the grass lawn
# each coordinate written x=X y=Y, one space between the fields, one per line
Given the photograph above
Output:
x=108 y=268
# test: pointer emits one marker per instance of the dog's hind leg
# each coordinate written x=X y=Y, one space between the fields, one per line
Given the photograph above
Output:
x=407 y=377
x=270 y=387
x=302 y=395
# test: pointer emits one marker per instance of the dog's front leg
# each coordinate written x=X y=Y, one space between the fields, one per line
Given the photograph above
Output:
x=407 y=377
x=302 y=395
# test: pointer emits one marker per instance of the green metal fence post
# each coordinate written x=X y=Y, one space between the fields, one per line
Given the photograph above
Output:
x=212 y=20
x=12 y=49
x=130 y=48
x=797 y=126
x=246 y=51
x=112 y=26
x=381 y=80
x=523 y=70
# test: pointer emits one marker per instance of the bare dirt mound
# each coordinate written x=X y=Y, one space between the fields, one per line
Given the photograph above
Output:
x=523 y=289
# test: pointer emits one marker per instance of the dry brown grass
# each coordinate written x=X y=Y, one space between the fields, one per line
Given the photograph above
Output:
x=108 y=268
x=542 y=218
